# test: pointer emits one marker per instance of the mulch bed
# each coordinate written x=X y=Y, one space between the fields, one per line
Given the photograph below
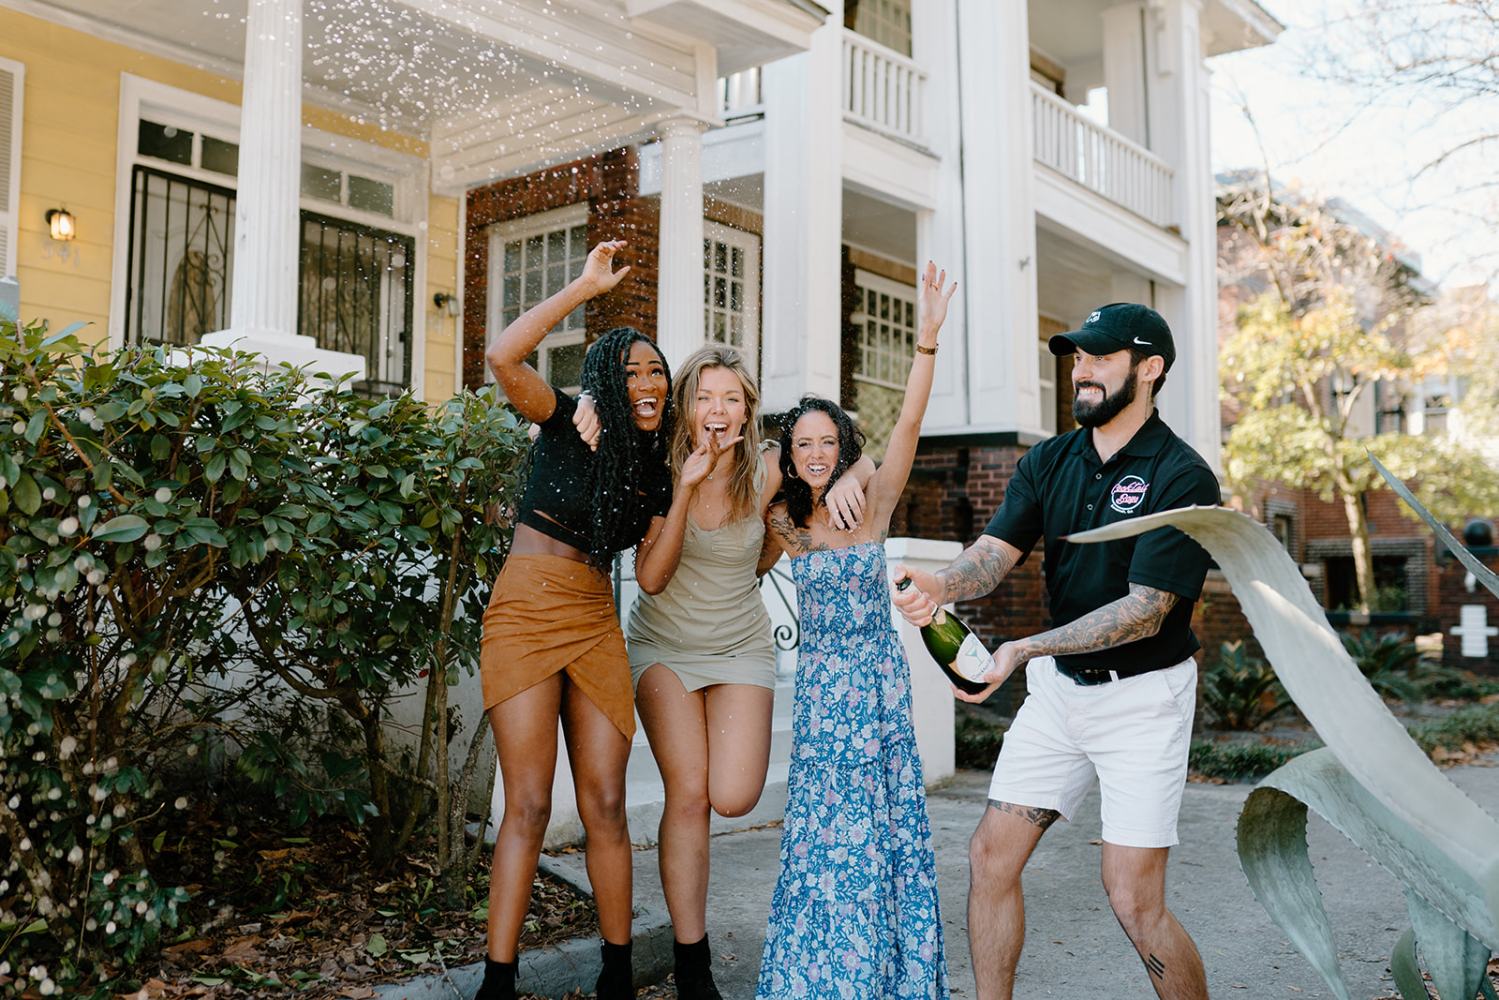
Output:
x=302 y=913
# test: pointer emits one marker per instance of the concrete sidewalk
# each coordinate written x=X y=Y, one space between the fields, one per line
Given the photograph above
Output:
x=1074 y=949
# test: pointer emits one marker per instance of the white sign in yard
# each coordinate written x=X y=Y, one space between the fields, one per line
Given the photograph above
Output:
x=1474 y=630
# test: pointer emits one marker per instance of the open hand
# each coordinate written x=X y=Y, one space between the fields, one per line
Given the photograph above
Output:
x=598 y=274
x=932 y=300
x=1008 y=658
x=845 y=500
x=702 y=461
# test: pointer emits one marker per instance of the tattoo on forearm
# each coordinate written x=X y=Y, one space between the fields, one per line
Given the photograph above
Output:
x=976 y=572
x=1156 y=966
x=1138 y=615
x=1033 y=815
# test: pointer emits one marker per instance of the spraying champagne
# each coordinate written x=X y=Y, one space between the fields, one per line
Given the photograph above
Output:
x=956 y=649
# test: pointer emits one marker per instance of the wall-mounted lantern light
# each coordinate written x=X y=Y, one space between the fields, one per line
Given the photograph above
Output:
x=60 y=224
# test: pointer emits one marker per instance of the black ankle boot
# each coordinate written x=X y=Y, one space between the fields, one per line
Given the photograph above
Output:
x=695 y=971
x=617 y=980
x=499 y=981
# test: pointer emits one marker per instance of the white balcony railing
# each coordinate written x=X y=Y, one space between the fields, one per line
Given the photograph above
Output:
x=882 y=89
x=739 y=94
x=1101 y=159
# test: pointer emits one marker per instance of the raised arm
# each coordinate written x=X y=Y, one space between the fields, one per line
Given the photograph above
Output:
x=527 y=391
x=889 y=480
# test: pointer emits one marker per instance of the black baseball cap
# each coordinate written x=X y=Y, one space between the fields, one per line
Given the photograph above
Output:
x=1119 y=326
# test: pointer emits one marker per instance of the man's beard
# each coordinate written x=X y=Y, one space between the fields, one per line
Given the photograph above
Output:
x=1110 y=406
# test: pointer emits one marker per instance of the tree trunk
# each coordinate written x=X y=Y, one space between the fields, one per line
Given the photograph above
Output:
x=1363 y=559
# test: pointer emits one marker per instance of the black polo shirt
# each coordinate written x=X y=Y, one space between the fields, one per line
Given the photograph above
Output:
x=1061 y=488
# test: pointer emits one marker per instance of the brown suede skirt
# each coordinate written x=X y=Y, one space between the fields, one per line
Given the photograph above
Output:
x=548 y=614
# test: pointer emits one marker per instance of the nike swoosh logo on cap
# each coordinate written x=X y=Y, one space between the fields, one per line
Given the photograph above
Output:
x=1143 y=343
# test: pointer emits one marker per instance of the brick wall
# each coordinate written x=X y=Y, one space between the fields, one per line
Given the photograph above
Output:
x=1452 y=595
x=610 y=184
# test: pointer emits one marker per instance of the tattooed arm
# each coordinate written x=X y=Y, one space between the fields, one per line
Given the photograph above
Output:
x=976 y=572
x=1137 y=615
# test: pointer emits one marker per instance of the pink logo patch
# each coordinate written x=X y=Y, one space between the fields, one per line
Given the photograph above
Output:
x=1128 y=494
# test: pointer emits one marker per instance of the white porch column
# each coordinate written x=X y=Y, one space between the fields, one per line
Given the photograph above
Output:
x=1177 y=92
x=803 y=219
x=1000 y=218
x=679 y=295
x=263 y=313
x=939 y=232
x=1124 y=70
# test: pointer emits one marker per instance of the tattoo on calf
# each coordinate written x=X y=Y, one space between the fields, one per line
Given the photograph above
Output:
x=1156 y=966
x=1033 y=815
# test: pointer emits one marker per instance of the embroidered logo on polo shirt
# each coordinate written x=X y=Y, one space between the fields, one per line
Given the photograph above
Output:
x=1128 y=494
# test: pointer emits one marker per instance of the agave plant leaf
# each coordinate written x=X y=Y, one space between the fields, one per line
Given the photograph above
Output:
x=1406 y=969
x=1456 y=960
x=1372 y=782
x=1482 y=573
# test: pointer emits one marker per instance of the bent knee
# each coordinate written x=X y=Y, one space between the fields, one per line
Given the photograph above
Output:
x=1135 y=910
x=528 y=814
x=735 y=803
x=601 y=806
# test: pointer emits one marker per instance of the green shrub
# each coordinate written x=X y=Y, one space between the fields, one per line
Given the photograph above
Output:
x=1390 y=662
x=207 y=562
x=1240 y=691
x=977 y=741
x=1474 y=724
x=1240 y=761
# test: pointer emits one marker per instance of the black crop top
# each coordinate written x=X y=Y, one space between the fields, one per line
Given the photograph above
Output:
x=558 y=498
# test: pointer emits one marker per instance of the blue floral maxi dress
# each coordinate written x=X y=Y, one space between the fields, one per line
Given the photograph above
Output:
x=854 y=914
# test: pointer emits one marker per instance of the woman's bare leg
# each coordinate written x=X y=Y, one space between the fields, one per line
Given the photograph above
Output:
x=525 y=734
x=676 y=724
x=599 y=753
x=738 y=720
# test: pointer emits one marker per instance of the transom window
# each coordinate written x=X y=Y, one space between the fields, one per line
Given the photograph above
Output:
x=885 y=320
x=731 y=288
x=322 y=181
x=530 y=260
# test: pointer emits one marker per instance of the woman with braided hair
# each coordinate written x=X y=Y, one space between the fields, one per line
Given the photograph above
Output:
x=552 y=646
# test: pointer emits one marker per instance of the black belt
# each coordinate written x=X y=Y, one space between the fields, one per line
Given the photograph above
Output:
x=1089 y=676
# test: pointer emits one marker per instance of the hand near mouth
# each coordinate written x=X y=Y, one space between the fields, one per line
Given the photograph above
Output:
x=702 y=461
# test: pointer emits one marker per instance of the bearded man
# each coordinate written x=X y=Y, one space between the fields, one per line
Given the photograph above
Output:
x=1112 y=687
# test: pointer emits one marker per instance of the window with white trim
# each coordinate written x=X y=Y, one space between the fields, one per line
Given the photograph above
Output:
x=530 y=260
x=12 y=75
x=886 y=21
x=1048 y=386
x=731 y=288
x=885 y=322
x=357 y=266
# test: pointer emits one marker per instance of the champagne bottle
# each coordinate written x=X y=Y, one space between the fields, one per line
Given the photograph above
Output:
x=959 y=652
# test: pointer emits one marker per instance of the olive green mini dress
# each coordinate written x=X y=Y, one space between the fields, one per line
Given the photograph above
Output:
x=709 y=625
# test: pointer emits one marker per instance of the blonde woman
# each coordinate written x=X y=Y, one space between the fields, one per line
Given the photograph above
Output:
x=701 y=653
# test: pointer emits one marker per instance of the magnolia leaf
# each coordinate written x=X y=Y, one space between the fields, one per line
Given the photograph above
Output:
x=122 y=529
x=376 y=945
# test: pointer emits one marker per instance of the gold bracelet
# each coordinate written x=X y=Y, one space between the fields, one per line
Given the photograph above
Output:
x=926 y=350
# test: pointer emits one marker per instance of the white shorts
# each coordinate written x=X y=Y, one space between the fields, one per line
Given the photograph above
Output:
x=1133 y=732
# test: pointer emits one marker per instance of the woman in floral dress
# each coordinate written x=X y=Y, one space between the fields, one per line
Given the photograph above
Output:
x=854 y=915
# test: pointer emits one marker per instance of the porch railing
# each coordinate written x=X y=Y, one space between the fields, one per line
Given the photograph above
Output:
x=739 y=94
x=1101 y=159
x=882 y=89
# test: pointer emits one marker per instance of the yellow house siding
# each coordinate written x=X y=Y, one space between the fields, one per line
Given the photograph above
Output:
x=442 y=276
x=69 y=156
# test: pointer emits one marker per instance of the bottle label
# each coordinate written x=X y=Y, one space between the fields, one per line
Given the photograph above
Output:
x=972 y=659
